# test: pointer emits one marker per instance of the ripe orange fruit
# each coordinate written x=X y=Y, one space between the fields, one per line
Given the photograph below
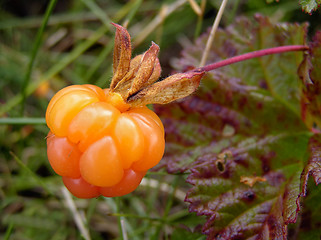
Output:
x=104 y=141
x=99 y=144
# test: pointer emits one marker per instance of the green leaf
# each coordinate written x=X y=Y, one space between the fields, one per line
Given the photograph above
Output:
x=238 y=211
x=310 y=5
x=244 y=122
x=250 y=98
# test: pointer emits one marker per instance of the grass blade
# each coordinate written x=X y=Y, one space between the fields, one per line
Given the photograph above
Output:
x=22 y=121
x=9 y=231
x=32 y=174
x=97 y=11
x=34 y=52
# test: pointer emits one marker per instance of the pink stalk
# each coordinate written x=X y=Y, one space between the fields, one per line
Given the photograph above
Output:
x=251 y=55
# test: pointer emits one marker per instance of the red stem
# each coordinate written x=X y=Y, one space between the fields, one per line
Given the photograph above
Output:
x=251 y=55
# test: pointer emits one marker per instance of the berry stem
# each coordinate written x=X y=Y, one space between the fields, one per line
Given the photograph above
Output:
x=251 y=55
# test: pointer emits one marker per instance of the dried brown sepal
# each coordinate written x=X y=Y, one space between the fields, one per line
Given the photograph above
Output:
x=134 y=79
x=145 y=71
x=170 y=89
x=156 y=73
x=122 y=55
x=124 y=84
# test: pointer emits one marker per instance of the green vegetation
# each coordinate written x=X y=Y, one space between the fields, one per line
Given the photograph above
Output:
x=45 y=46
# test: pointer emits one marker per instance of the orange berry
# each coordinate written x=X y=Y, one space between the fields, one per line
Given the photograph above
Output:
x=80 y=188
x=130 y=140
x=66 y=105
x=154 y=136
x=98 y=143
x=100 y=164
x=129 y=183
x=63 y=156
x=92 y=123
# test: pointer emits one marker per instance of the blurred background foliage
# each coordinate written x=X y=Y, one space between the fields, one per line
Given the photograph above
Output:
x=76 y=48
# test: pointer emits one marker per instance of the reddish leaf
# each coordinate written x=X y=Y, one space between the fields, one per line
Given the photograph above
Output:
x=310 y=74
x=237 y=211
x=239 y=99
x=243 y=123
x=291 y=193
x=313 y=168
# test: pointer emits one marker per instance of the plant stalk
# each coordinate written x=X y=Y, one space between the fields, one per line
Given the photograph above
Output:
x=250 y=55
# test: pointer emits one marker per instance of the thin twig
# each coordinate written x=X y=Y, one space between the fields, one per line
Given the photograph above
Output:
x=203 y=5
x=200 y=20
x=77 y=217
x=212 y=34
x=250 y=55
x=120 y=227
x=123 y=228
